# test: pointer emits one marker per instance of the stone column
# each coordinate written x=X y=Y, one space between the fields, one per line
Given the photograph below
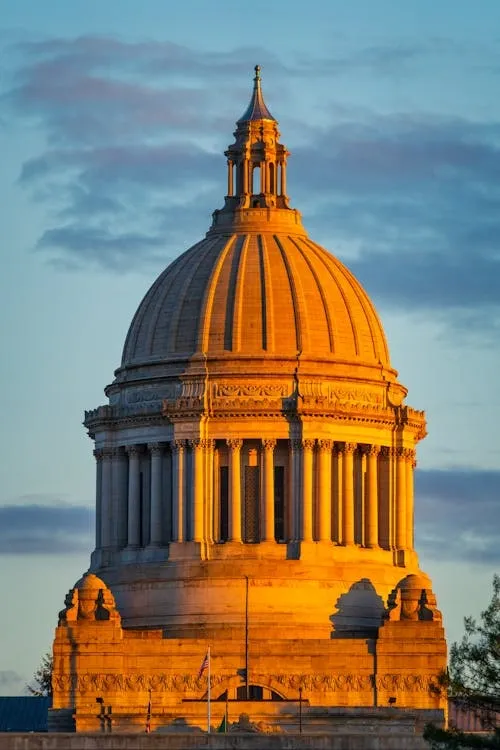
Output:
x=325 y=490
x=371 y=539
x=234 y=446
x=293 y=510
x=119 y=499
x=348 y=493
x=337 y=471
x=410 y=521
x=178 y=514
x=209 y=490
x=267 y=523
x=106 y=498
x=98 y=497
x=400 y=498
x=134 y=496
x=230 y=188
x=197 y=447
x=307 y=490
x=156 y=520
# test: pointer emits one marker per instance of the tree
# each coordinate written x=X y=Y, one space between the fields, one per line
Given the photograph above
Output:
x=42 y=678
x=474 y=680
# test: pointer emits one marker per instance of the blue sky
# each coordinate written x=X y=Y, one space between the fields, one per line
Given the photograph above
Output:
x=113 y=119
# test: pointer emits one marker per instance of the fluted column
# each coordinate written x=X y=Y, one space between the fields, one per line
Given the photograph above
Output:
x=134 y=496
x=371 y=512
x=267 y=524
x=307 y=490
x=156 y=525
x=325 y=490
x=197 y=447
x=106 y=497
x=234 y=446
x=401 y=498
x=178 y=514
x=410 y=521
x=98 y=497
x=118 y=534
x=348 y=493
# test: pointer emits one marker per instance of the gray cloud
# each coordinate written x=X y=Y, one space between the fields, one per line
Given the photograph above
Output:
x=135 y=135
x=457 y=514
x=34 y=529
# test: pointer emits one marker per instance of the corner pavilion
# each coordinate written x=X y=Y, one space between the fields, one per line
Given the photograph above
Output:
x=254 y=492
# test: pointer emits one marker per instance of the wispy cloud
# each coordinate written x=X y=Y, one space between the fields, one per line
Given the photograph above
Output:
x=457 y=514
x=43 y=528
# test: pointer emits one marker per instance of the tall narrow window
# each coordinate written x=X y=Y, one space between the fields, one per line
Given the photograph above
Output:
x=279 y=503
x=272 y=186
x=256 y=180
x=224 y=503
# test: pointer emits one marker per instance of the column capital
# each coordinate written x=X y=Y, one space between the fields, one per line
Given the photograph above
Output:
x=134 y=450
x=156 y=449
x=268 y=444
x=308 y=444
x=370 y=450
x=98 y=454
x=118 y=452
x=386 y=451
x=296 y=445
x=195 y=443
x=350 y=448
x=106 y=452
x=177 y=446
x=235 y=444
x=325 y=445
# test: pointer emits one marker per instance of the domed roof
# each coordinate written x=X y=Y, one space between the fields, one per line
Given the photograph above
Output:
x=256 y=285
x=256 y=293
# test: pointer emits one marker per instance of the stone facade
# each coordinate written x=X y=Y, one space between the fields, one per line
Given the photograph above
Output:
x=254 y=486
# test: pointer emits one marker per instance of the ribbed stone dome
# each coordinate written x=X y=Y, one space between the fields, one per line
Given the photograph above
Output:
x=254 y=294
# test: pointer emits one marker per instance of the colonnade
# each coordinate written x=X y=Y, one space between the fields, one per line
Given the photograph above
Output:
x=347 y=493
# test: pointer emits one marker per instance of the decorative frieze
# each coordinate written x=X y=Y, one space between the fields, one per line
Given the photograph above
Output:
x=188 y=683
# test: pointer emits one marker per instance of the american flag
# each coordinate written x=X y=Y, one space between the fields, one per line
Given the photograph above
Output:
x=204 y=666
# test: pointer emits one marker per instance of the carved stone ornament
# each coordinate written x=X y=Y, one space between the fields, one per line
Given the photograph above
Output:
x=90 y=600
x=234 y=444
x=287 y=684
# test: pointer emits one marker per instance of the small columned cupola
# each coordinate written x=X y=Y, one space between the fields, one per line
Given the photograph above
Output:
x=256 y=162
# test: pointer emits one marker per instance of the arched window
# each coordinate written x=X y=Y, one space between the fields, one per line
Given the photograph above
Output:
x=256 y=180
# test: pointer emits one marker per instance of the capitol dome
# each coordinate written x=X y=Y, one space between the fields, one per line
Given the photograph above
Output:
x=254 y=487
x=255 y=415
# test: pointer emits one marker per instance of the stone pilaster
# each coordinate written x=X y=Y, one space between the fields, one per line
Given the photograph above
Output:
x=307 y=490
x=197 y=482
x=348 y=493
x=267 y=523
x=178 y=484
x=410 y=515
x=400 y=498
x=134 y=496
x=325 y=490
x=234 y=446
x=371 y=512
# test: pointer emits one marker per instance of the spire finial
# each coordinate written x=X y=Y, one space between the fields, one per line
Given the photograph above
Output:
x=257 y=73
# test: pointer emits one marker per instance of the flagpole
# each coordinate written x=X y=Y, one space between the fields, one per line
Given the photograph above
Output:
x=208 y=694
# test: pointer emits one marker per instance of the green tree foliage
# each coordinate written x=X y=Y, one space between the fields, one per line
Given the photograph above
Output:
x=474 y=680
x=42 y=679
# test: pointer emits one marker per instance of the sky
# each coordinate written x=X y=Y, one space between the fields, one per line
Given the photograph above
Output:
x=113 y=121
